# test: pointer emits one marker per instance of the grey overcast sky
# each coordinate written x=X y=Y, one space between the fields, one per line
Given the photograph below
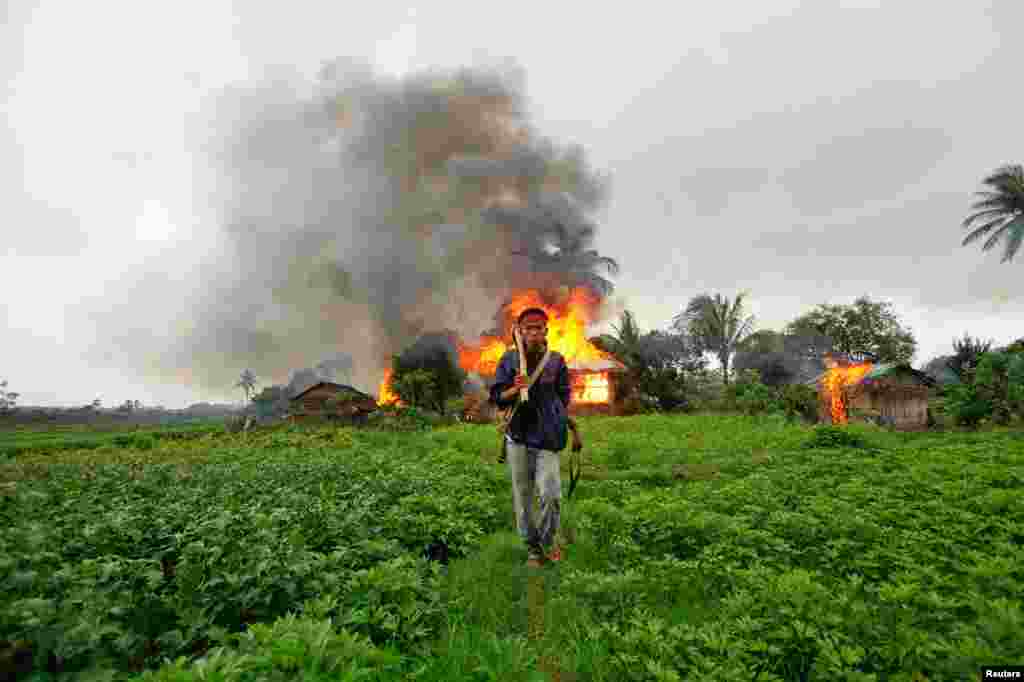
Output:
x=806 y=152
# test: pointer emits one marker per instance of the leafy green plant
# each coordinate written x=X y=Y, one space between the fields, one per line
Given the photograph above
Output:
x=296 y=554
x=829 y=436
x=799 y=400
x=749 y=396
x=967 y=404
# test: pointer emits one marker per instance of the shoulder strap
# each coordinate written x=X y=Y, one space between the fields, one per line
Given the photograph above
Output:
x=539 y=368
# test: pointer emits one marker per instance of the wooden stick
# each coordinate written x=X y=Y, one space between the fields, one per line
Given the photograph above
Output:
x=524 y=393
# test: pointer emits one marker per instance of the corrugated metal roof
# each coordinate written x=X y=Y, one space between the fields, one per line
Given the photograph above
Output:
x=880 y=370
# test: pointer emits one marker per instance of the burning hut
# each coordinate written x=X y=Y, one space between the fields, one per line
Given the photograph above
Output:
x=597 y=379
x=331 y=401
x=887 y=393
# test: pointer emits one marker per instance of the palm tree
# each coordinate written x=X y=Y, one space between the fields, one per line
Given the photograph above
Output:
x=717 y=324
x=999 y=212
x=966 y=355
x=583 y=265
x=247 y=382
x=625 y=344
x=560 y=242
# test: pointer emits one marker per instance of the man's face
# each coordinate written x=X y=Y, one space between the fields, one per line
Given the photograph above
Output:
x=534 y=330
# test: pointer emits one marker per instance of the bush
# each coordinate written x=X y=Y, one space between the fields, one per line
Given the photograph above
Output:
x=749 y=396
x=136 y=441
x=799 y=400
x=993 y=391
x=405 y=419
x=829 y=436
x=234 y=423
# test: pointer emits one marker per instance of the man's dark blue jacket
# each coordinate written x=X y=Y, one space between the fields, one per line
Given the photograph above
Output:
x=543 y=421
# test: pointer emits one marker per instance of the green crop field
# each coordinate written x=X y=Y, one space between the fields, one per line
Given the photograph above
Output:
x=701 y=548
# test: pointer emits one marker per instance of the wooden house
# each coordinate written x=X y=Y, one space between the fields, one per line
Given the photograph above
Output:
x=893 y=394
x=327 y=400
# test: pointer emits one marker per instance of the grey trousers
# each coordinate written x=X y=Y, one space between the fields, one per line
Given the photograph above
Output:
x=533 y=472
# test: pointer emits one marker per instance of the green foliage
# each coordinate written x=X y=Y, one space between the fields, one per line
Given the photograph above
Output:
x=967 y=405
x=108 y=564
x=291 y=648
x=294 y=554
x=1000 y=379
x=967 y=353
x=865 y=326
x=455 y=406
x=234 y=423
x=272 y=401
x=799 y=400
x=8 y=399
x=718 y=325
x=997 y=212
x=406 y=418
x=427 y=375
x=136 y=441
x=749 y=396
x=661 y=364
x=829 y=436
x=994 y=390
x=417 y=388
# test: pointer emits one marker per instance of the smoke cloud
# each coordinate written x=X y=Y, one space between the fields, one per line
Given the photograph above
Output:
x=359 y=212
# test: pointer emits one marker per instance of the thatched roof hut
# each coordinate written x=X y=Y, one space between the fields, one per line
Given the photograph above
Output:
x=895 y=394
x=332 y=401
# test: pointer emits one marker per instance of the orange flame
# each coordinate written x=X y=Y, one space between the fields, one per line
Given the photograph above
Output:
x=386 y=395
x=837 y=378
x=592 y=387
x=567 y=321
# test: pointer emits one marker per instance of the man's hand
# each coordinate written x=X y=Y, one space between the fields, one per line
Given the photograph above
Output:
x=577 y=442
x=512 y=391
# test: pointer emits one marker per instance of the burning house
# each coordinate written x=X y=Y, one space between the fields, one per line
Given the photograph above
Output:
x=886 y=393
x=597 y=379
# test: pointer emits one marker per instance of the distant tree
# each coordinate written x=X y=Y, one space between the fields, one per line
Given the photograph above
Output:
x=247 y=382
x=966 y=355
x=865 y=326
x=999 y=213
x=8 y=399
x=940 y=370
x=417 y=388
x=272 y=401
x=658 y=362
x=717 y=324
x=670 y=361
x=1017 y=347
x=96 y=404
x=436 y=355
x=624 y=344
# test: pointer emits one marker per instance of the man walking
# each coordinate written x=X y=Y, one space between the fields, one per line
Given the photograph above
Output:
x=536 y=434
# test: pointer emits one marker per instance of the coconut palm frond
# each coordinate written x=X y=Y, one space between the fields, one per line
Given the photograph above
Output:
x=1001 y=211
x=983 y=215
x=994 y=239
x=1003 y=203
x=1005 y=173
x=980 y=232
